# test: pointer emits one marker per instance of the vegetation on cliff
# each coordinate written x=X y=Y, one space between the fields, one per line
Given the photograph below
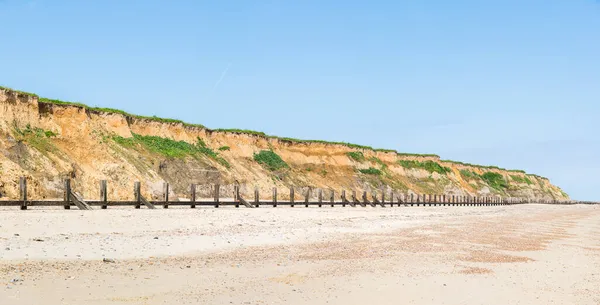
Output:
x=270 y=160
x=430 y=166
x=170 y=148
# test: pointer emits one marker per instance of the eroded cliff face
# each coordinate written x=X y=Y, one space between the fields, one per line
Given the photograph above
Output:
x=48 y=142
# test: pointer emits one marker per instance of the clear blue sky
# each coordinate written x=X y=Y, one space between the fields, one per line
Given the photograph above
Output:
x=513 y=83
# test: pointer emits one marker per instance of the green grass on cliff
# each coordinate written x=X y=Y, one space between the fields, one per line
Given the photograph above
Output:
x=495 y=180
x=519 y=179
x=37 y=138
x=430 y=166
x=356 y=156
x=370 y=171
x=270 y=160
x=170 y=148
x=469 y=175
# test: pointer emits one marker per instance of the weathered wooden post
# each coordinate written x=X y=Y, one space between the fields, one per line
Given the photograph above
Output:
x=67 y=194
x=23 y=191
x=165 y=195
x=307 y=198
x=217 y=194
x=236 y=196
x=292 y=196
x=383 y=197
x=364 y=197
x=392 y=199
x=103 y=194
x=332 y=197
x=344 y=198
x=193 y=196
x=256 y=197
x=274 y=197
x=412 y=199
x=137 y=194
x=320 y=195
x=354 y=200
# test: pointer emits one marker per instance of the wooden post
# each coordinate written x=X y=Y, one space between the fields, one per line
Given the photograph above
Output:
x=383 y=196
x=138 y=194
x=193 y=196
x=166 y=195
x=320 y=195
x=292 y=196
x=392 y=199
x=67 y=194
x=216 y=195
x=332 y=197
x=256 y=197
x=236 y=195
x=344 y=198
x=412 y=199
x=274 y=197
x=307 y=197
x=103 y=194
x=364 y=197
x=23 y=189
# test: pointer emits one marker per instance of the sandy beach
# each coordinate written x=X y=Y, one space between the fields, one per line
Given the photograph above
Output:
x=526 y=254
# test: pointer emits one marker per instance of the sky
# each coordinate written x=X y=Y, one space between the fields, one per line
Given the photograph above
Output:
x=511 y=83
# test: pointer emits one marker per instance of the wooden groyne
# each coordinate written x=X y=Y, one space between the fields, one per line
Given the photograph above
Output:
x=333 y=198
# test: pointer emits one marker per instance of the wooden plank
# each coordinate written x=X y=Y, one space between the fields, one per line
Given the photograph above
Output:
x=274 y=197
x=344 y=200
x=292 y=195
x=245 y=203
x=147 y=203
x=103 y=193
x=78 y=201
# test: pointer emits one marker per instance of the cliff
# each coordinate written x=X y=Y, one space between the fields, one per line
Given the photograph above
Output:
x=47 y=141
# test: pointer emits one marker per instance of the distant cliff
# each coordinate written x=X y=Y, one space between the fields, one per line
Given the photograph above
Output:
x=48 y=140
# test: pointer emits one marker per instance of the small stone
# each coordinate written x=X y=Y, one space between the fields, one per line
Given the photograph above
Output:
x=156 y=237
x=17 y=234
x=7 y=249
x=38 y=239
x=108 y=260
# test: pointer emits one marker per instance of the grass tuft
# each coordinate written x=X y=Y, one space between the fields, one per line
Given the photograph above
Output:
x=495 y=180
x=270 y=160
x=430 y=166
x=370 y=171
x=169 y=147
x=356 y=156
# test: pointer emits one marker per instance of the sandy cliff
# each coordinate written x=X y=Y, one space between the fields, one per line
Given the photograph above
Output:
x=47 y=141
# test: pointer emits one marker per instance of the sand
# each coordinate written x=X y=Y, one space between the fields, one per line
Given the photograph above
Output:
x=526 y=254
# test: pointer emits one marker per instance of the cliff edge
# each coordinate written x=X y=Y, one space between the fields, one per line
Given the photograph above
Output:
x=48 y=141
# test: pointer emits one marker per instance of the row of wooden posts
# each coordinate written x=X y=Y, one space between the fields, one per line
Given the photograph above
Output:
x=73 y=198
